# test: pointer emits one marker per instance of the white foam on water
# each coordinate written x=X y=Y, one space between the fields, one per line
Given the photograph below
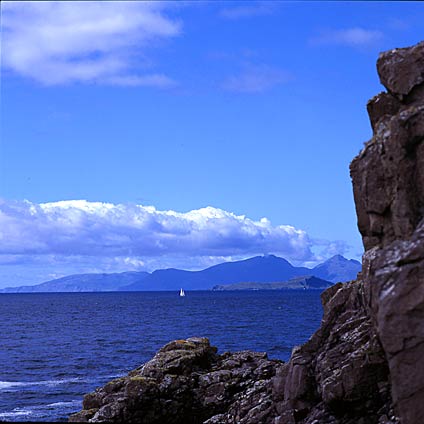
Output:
x=15 y=413
x=60 y=404
x=11 y=384
x=61 y=381
x=8 y=384
x=39 y=411
x=44 y=410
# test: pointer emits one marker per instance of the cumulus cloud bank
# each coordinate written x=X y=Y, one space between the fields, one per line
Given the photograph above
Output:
x=63 y=42
x=105 y=229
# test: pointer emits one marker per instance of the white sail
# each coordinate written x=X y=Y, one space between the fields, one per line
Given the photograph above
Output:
x=182 y=292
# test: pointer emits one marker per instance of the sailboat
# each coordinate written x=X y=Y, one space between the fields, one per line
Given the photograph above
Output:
x=182 y=293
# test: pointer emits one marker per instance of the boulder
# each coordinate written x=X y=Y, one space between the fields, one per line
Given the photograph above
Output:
x=187 y=382
x=401 y=70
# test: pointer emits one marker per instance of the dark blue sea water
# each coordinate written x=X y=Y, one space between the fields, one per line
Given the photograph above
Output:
x=54 y=348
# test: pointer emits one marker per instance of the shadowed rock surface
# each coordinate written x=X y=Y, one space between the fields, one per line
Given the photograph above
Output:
x=187 y=382
x=364 y=364
x=388 y=181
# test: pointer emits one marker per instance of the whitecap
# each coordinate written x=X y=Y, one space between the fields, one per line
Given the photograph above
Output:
x=8 y=384
x=60 y=404
x=15 y=413
x=37 y=411
x=12 y=384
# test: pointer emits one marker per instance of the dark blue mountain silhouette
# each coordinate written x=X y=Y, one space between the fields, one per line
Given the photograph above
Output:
x=260 y=269
x=264 y=269
x=82 y=283
x=337 y=269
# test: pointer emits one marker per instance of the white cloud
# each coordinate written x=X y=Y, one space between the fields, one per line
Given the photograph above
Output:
x=104 y=229
x=351 y=37
x=64 y=42
x=324 y=249
x=72 y=237
x=254 y=79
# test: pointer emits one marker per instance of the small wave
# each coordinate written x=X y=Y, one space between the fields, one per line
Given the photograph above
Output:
x=15 y=413
x=4 y=385
x=8 y=384
x=12 y=384
x=61 y=381
x=61 y=404
x=39 y=411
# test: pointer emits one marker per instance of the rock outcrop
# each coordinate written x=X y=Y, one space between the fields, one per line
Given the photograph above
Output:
x=187 y=383
x=340 y=375
x=388 y=181
x=363 y=365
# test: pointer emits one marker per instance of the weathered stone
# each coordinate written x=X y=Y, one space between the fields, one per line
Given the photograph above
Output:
x=382 y=106
x=340 y=368
x=388 y=180
x=401 y=70
x=187 y=382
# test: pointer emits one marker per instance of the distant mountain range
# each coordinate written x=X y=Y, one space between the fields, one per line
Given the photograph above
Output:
x=260 y=269
x=82 y=283
x=307 y=283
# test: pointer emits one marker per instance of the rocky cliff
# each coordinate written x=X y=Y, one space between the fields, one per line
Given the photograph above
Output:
x=388 y=182
x=363 y=364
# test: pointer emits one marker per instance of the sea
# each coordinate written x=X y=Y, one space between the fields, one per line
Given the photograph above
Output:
x=56 y=347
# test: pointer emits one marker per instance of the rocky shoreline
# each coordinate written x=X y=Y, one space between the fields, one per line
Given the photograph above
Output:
x=187 y=382
x=364 y=364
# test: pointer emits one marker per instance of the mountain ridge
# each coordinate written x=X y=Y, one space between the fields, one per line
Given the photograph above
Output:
x=75 y=283
x=306 y=283
x=258 y=269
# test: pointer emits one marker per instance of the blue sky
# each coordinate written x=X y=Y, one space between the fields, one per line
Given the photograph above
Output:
x=140 y=135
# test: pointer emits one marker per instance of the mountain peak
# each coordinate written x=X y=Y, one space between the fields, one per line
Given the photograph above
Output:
x=338 y=268
x=337 y=258
x=273 y=258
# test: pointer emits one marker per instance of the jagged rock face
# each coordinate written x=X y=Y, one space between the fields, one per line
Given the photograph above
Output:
x=401 y=70
x=388 y=175
x=340 y=375
x=186 y=383
x=388 y=181
x=396 y=297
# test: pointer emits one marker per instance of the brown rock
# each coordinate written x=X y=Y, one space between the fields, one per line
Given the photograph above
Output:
x=335 y=376
x=401 y=70
x=382 y=106
x=388 y=180
x=187 y=382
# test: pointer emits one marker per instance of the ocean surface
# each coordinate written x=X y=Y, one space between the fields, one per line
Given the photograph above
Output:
x=55 y=347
